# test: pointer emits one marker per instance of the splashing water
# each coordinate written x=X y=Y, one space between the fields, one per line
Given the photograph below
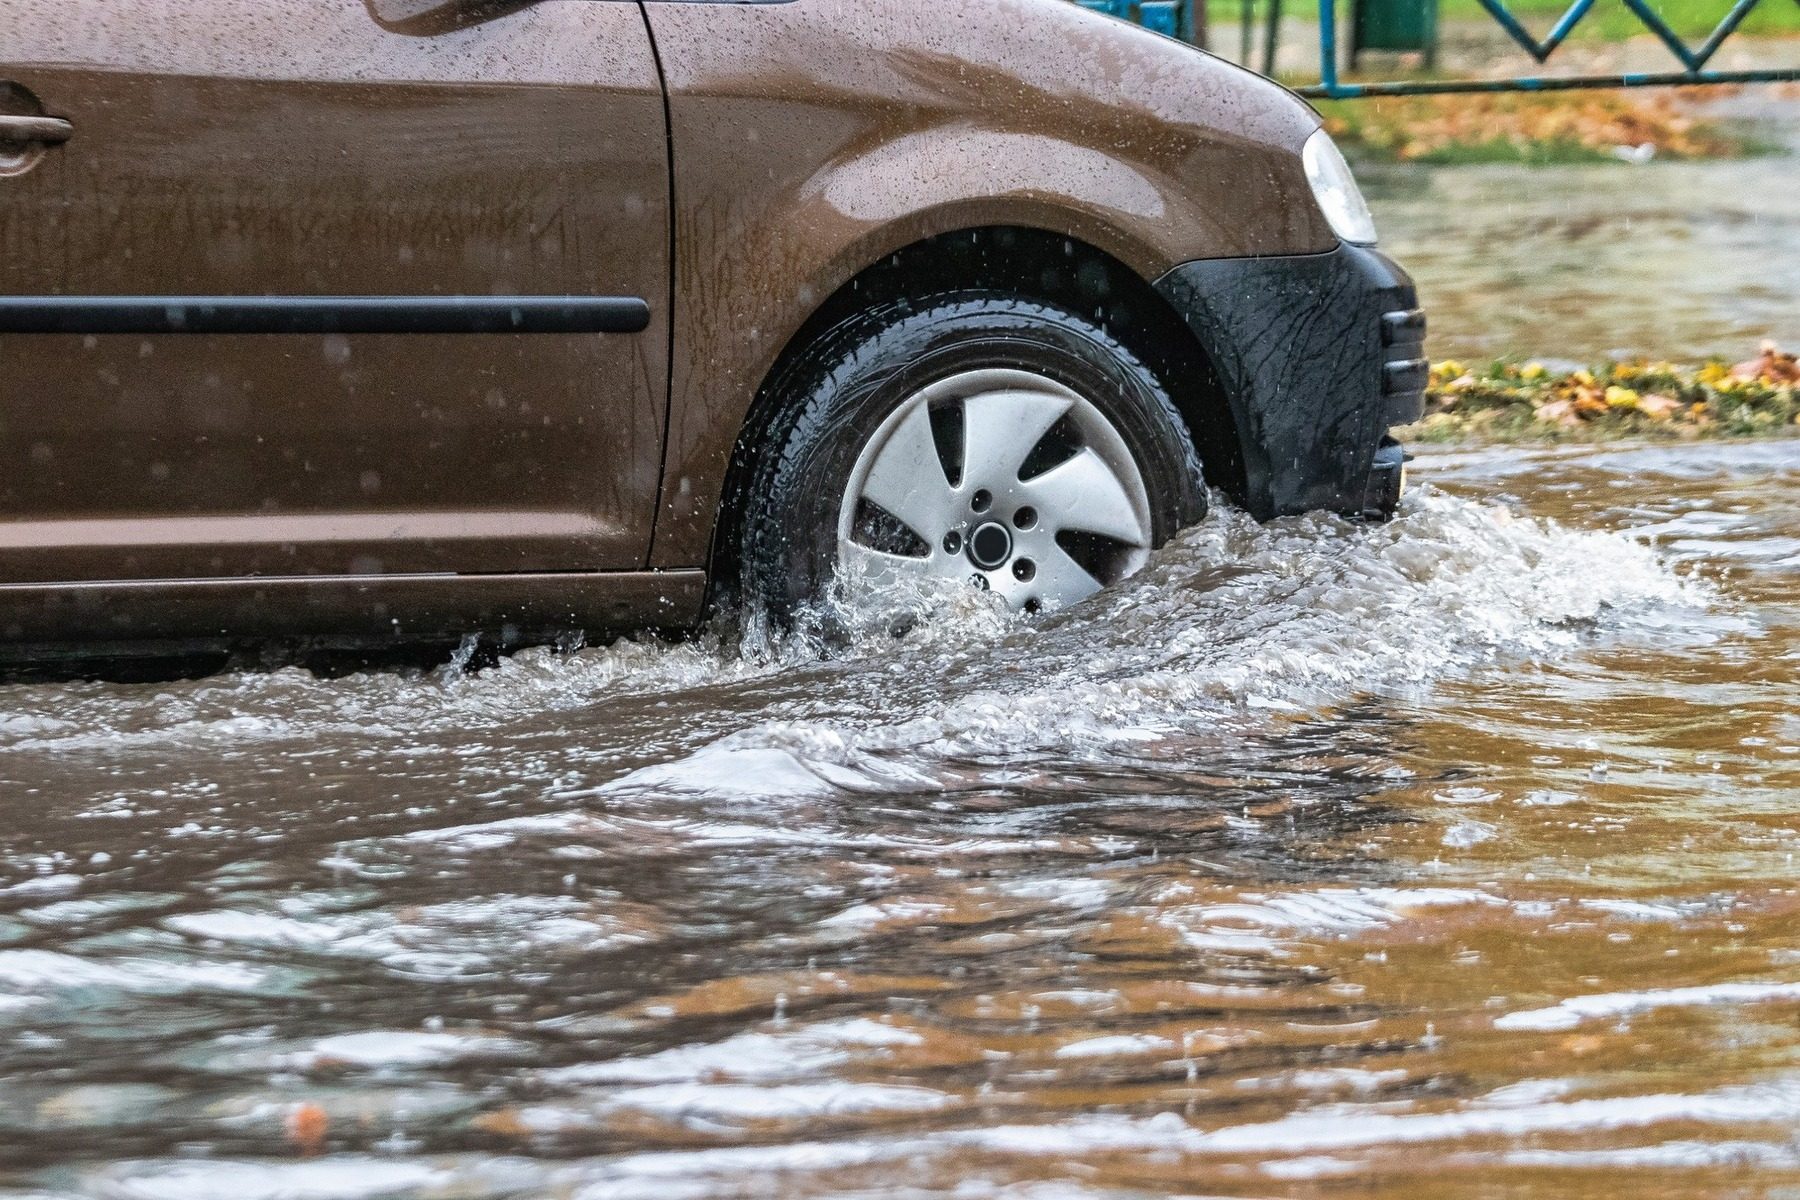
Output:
x=1232 y=619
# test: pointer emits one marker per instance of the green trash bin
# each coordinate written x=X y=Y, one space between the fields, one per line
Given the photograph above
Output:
x=1394 y=25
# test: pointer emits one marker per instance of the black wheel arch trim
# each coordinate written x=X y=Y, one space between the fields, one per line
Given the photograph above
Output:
x=1302 y=346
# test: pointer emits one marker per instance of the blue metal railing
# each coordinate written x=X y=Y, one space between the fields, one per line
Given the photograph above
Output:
x=1693 y=59
x=1176 y=18
x=1172 y=17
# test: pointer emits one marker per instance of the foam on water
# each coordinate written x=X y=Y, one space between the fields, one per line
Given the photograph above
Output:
x=1577 y=1009
x=752 y=1055
x=346 y=1177
x=32 y=972
x=1233 y=617
x=447 y=940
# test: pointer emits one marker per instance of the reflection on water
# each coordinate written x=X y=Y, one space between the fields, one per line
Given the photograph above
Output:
x=1448 y=858
x=1585 y=263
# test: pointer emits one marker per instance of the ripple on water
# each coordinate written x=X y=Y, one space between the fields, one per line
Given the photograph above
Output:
x=1440 y=856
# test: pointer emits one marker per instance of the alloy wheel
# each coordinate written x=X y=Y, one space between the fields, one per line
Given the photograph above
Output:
x=1001 y=478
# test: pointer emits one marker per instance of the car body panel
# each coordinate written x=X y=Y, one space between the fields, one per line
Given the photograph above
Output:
x=237 y=148
x=813 y=138
x=731 y=166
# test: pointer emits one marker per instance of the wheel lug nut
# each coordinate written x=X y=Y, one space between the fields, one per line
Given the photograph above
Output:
x=1025 y=518
x=953 y=542
x=982 y=500
x=980 y=581
x=1024 y=570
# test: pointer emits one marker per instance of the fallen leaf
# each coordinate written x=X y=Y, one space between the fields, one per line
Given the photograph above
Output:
x=1590 y=402
x=1559 y=412
x=307 y=1126
x=1771 y=366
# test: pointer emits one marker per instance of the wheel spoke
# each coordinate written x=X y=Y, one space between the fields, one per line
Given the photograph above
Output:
x=1084 y=494
x=1061 y=581
x=907 y=479
x=1000 y=429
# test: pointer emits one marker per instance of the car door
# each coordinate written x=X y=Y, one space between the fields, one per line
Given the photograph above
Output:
x=303 y=288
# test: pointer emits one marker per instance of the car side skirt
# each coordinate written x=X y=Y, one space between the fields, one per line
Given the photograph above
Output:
x=511 y=610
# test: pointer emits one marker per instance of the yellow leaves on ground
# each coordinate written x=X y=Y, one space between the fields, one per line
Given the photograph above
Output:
x=1506 y=400
x=1772 y=366
x=1563 y=125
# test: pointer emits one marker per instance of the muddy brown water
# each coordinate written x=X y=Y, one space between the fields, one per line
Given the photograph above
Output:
x=1449 y=858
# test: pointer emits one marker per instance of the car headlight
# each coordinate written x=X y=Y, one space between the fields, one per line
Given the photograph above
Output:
x=1335 y=188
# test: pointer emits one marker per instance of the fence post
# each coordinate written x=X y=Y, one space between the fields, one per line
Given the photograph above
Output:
x=1194 y=24
x=1273 y=37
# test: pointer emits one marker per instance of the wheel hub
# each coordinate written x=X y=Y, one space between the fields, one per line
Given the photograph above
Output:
x=990 y=546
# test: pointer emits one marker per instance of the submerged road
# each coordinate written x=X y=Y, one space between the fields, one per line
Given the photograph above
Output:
x=1449 y=858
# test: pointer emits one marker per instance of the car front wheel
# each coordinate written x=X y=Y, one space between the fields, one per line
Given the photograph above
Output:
x=976 y=438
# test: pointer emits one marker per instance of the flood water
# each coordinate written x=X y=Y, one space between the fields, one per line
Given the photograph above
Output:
x=1581 y=263
x=1578 y=263
x=1449 y=858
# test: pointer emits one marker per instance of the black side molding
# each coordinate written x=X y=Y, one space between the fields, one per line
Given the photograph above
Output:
x=322 y=314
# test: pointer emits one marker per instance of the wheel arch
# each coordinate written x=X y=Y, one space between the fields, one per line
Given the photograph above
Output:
x=1038 y=264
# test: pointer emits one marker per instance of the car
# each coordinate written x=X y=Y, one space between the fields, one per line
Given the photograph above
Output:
x=367 y=321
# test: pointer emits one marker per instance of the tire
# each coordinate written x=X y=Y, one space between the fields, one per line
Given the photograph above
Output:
x=986 y=369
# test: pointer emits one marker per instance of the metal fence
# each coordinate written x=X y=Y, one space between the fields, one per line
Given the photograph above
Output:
x=1185 y=19
x=1175 y=18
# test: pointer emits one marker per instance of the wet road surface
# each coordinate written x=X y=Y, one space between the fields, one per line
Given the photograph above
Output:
x=1582 y=263
x=1451 y=858
x=1578 y=263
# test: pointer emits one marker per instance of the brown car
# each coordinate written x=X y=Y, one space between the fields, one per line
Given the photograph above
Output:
x=392 y=320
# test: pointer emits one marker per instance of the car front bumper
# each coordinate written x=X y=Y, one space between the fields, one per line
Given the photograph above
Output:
x=1319 y=355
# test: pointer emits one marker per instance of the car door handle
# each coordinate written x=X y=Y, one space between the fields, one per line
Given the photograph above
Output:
x=27 y=131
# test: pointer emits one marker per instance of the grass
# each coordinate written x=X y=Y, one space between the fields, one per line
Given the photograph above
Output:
x=1511 y=401
x=1609 y=20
